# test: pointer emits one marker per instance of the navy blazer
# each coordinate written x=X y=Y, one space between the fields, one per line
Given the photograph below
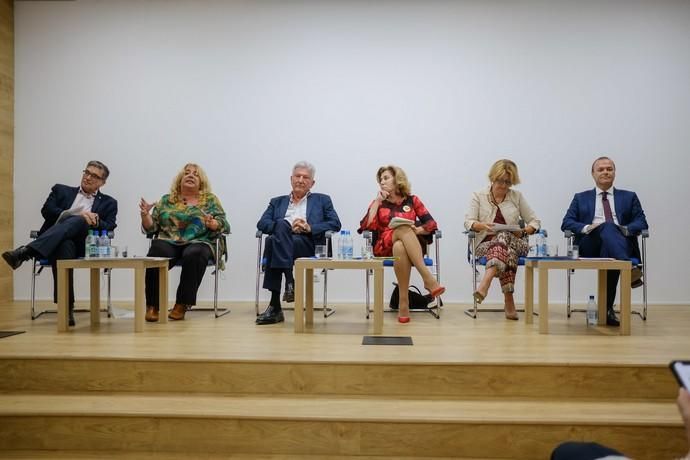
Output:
x=321 y=215
x=628 y=211
x=61 y=198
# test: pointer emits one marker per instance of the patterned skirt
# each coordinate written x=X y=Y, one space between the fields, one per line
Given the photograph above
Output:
x=502 y=252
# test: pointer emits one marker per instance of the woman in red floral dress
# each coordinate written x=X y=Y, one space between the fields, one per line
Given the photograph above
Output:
x=394 y=199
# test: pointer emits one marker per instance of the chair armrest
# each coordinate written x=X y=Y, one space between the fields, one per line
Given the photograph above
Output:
x=645 y=233
x=259 y=233
x=329 y=234
x=438 y=234
x=568 y=234
x=471 y=234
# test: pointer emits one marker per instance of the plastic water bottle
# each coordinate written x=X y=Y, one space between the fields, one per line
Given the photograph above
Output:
x=104 y=246
x=542 y=250
x=592 y=312
x=90 y=245
x=348 y=248
x=341 y=245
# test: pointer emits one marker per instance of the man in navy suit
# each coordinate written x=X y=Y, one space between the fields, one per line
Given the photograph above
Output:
x=296 y=223
x=605 y=222
x=69 y=213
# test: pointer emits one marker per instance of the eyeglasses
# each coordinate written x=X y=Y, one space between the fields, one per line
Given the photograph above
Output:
x=503 y=182
x=91 y=175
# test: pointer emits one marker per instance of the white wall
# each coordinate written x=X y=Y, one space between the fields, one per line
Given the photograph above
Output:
x=441 y=88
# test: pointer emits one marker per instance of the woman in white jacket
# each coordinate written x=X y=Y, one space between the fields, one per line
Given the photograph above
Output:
x=500 y=204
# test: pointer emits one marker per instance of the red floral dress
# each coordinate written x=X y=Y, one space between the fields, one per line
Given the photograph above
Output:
x=409 y=207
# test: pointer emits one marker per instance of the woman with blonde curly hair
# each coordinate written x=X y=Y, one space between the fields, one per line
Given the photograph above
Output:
x=187 y=221
x=395 y=199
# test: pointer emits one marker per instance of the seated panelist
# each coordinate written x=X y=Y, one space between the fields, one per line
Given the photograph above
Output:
x=500 y=204
x=69 y=213
x=605 y=221
x=394 y=199
x=187 y=221
x=295 y=223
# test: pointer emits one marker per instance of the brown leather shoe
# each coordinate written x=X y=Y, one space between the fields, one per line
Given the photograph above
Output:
x=178 y=311
x=151 y=314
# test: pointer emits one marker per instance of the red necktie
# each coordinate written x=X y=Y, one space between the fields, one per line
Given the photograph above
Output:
x=608 y=216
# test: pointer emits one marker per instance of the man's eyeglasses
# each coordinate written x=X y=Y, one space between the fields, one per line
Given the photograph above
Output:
x=91 y=175
x=505 y=182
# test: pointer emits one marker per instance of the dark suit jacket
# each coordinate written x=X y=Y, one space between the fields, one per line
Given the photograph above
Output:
x=321 y=215
x=628 y=211
x=62 y=196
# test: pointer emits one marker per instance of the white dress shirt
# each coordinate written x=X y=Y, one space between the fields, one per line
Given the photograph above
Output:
x=297 y=209
x=599 y=217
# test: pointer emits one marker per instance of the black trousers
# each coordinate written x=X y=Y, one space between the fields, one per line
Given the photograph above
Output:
x=193 y=257
x=280 y=252
x=607 y=241
x=64 y=240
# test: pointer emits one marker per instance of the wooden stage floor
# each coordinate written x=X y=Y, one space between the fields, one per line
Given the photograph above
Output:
x=455 y=338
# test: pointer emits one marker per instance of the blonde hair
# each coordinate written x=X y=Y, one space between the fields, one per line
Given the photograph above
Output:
x=502 y=167
x=402 y=184
x=204 y=185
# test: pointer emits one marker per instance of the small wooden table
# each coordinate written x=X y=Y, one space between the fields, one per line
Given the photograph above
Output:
x=139 y=264
x=601 y=265
x=304 y=287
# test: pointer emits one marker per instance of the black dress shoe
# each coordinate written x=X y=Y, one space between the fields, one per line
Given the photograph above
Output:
x=271 y=315
x=289 y=294
x=17 y=257
x=636 y=278
x=611 y=319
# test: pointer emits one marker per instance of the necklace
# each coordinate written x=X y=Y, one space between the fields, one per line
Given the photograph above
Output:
x=494 y=200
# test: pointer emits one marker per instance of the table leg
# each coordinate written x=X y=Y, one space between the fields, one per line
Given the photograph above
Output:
x=140 y=299
x=95 y=296
x=299 y=299
x=309 y=297
x=378 y=300
x=163 y=293
x=63 y=298
x=601 y=297
x=624 y=293
x=529 y=295
x=543 y=300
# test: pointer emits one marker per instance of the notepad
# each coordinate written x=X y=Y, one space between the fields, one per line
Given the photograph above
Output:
x=398 y=221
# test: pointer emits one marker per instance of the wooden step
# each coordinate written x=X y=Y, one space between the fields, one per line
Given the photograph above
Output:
x=381 y=380
x=216 y=424
x=138 y=455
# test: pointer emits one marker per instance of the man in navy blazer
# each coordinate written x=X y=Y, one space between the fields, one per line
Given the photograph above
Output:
x=605 y=222
x=69 y=213
x=296 y=223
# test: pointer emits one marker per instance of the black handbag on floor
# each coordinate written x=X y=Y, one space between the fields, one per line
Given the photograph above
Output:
x=417 y=299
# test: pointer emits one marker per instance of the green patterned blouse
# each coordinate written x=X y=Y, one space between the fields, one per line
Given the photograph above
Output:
x=180 y=224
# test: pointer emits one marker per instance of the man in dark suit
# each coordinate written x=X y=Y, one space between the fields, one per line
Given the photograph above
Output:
x=605 y=222
x=69 y=213
x=296 y=223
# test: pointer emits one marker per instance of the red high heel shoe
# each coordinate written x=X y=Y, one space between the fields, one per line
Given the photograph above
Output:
x=403 y=319
x=437 y=292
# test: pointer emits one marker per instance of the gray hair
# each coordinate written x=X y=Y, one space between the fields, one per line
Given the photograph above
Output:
x=101 y=166
x=305 y=165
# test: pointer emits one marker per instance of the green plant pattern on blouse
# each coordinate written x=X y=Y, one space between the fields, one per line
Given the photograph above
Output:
x=178 y=223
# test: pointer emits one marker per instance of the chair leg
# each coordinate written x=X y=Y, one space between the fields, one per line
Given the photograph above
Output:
x=109 y=304
x=33 y=291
